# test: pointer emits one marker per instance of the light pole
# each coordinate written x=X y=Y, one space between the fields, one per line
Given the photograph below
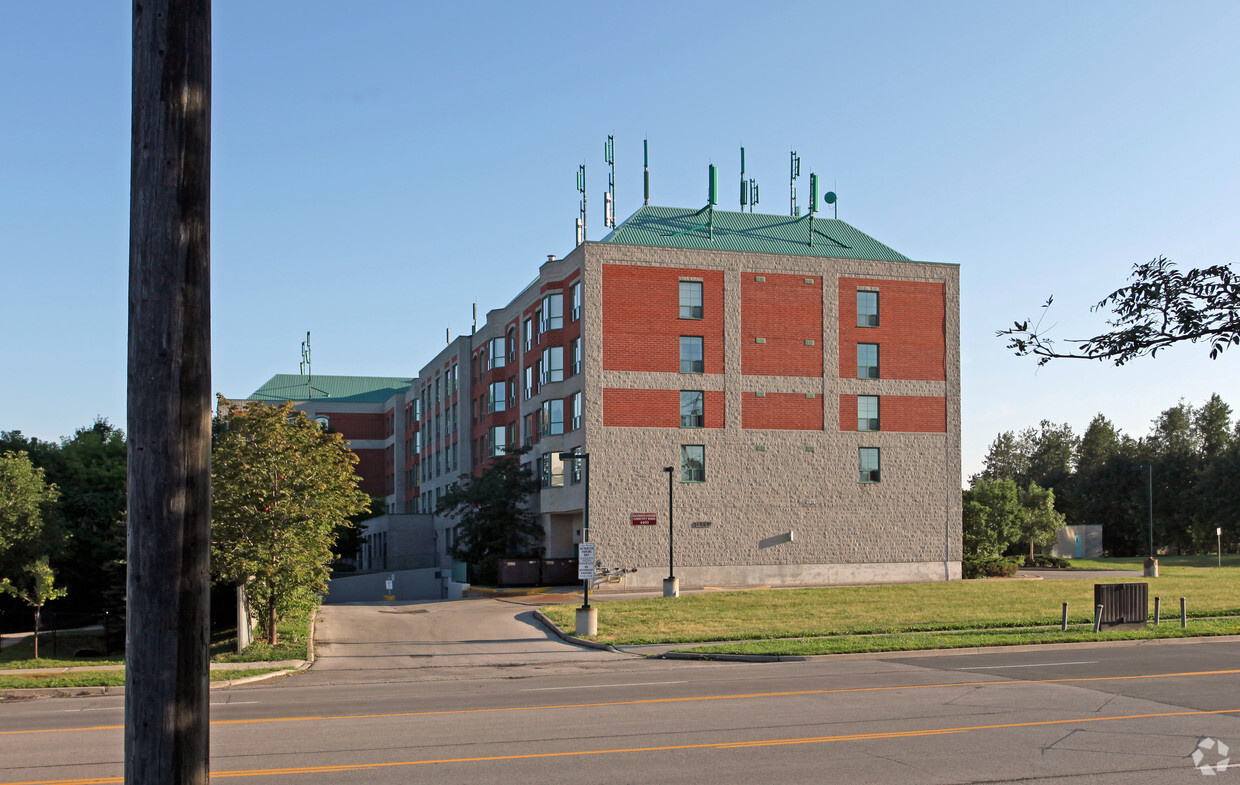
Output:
x=587 y=617
x=1151 y=566
x=671 y=584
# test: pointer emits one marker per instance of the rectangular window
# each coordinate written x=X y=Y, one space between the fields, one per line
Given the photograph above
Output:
x=552 y=365
x=867 y=309
x=456 y=377
x=574 y=469
x=574 y=352
x=868 y=459
x=512 y=392
x=575 y=299
x=691 y=354
x=552 y=420
x=552 y=471
x=512 y=344
x=552 y=312
x=498 y=440
x=529 y=334
x=529 y=382
x=496 y=399
x=692 y=409
x=692 y=463
x=867 y=413
x=867 y=361
x=690 y=299
x=495 y=353
x=576 y=421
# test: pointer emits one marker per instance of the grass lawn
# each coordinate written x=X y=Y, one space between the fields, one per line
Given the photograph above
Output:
x=899 y=609
x=21 y=654
x=103 y=678
x=293 y=637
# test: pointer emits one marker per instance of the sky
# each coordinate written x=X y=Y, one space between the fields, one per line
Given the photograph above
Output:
x=379 y=167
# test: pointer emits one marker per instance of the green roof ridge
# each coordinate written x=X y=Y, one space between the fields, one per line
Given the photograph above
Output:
x=347 y=389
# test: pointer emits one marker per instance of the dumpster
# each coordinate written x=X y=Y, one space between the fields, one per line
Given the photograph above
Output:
x=1124 y=605
x=518 y=572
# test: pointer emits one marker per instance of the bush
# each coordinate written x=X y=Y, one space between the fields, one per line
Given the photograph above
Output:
x=990 y=566
x=1042 y=560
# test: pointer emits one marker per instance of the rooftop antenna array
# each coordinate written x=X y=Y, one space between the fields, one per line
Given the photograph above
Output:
x=794 y=171
x=305 y=366
x=712 y=199
x=813 y=205
x=749 y=190
x=581 y=217
x=474 y=329
x=609 y=199
x=646 y=170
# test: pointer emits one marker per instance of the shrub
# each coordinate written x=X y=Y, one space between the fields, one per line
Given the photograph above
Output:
x=990 y=566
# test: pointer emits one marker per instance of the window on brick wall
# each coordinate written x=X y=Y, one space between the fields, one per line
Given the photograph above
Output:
x=498 y=440
x=692 y=463
x=867 y=361
x=496 y=400
x=867 y=309
x=868 y=460
x=529 y=382
x=495 y=353
x=552 y=312
x=552 y=365
x=512 y=344
x=575 y=423
x=692 y=409
x=528 y=332
x=690 y=299
x=574 y=293
x=691 y=354
x=574 y=354
x=867 y=413
x=552 y=420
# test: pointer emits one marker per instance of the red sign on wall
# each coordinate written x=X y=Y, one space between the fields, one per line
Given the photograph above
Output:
x=644 y=518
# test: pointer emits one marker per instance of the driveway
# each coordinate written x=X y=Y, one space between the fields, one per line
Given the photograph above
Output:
x=366 y=642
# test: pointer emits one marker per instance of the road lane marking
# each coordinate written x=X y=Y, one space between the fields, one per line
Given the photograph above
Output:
x=599 y=686
x=715 y=745
x=651 y=701
x=1032 y=665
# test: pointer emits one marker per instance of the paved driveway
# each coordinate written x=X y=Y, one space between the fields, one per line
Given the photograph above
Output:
x=398 y=641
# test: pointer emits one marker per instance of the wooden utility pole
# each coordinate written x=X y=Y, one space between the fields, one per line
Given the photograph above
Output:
x=169 y=402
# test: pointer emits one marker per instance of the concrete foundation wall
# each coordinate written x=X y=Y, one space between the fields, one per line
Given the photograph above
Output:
x=786 y=575
x=406 y=585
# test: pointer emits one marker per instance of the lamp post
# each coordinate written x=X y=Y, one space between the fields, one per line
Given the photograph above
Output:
x=587 y=617
x=1151 y=565
x=671 y=584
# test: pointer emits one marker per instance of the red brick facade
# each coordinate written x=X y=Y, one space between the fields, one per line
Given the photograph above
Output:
x=781 y=411
x=358 y=426
x=912 y=328
x=784 y=312
x=625 y=408
x=900 y=413
x=641 y=318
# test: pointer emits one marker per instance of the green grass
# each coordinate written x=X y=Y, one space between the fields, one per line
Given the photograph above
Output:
x=1164 y=562
x=293 y=636
x=851 y=644
x=891 y=609
x=21 y=654
x=103 y=678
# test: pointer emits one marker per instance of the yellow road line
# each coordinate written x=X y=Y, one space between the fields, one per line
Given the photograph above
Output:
x=666 y=748
x=649 y=701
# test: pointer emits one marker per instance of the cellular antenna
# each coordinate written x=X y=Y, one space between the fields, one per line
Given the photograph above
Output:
x=744 y=185
x=609 y=199
x=581 y=217
x=646 y=170
x=753 y=194
x=794 y=171
x=813 y=205
x=474 y=329
x=305 y=366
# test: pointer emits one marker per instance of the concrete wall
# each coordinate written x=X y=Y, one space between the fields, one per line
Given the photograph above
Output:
x=371 y=587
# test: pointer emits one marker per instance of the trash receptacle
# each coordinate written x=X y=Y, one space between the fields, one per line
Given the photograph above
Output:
x=1124 y=605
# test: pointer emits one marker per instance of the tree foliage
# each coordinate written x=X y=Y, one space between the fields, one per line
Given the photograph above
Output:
x=281 y=487
x=1039 y=520
x=1162 y=306
x=492 y=518
x=25 y=497
x=991 y=516
x=36 y=588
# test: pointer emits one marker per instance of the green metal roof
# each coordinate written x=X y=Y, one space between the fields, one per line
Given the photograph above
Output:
x=349 y=389
x=674 y=227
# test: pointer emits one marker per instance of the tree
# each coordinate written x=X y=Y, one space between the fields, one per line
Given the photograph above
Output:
x=37 y=589
x=1039 y=520
x=992 y=514
x=280 y=488
x=24 y=496
x=1162 y=306
x=1008 y=456
x=1212 y=423
x=1099 y=442
x=493 y=520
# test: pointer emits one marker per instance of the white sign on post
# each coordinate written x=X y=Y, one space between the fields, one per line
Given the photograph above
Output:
x=585 y=561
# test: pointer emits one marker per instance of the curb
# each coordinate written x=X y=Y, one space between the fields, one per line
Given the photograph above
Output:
x=688 y=655
x=564 y=636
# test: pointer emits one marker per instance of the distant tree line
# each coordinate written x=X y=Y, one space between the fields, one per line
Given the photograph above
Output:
x=1102 y=476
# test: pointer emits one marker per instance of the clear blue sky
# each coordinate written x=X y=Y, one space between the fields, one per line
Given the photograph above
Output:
x=380 y=166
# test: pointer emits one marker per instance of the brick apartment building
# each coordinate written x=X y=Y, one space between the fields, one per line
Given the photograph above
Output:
x=801 y=379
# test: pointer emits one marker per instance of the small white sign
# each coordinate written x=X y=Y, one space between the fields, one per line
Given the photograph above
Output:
x=389 y=585
x=585 y=561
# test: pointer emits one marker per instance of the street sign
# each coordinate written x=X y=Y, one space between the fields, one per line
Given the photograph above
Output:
x=585 y=561
x=644 y=518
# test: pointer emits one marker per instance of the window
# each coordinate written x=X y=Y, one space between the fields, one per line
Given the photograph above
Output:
x=574 y=293
x=552 y=365
x=529 y=334
x=574 y=469
x=495 y=397
x=690 y=299
x=552 y=471
x=867 y=309
x=574 y=354
x=323 y=422
x=576 y=421
x=552 y=420
x=495 y=353
x=455 y=377
x=691 y=354
x=552 y=312
x=692 y=463
x=529 y=382
x=868 y=459
x=867 y=361
x=512 y=344
x=498 y=440
x=867 y=413
x=512 y=392
x=692 y=409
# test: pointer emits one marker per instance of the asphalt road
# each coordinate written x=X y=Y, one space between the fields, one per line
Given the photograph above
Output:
x=548 y=712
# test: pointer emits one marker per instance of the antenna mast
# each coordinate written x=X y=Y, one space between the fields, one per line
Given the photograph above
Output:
x=794 y=171
x=581 y=217
x=646 y=170
x=609 y=199
x=305 y=366
x=744 y=189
